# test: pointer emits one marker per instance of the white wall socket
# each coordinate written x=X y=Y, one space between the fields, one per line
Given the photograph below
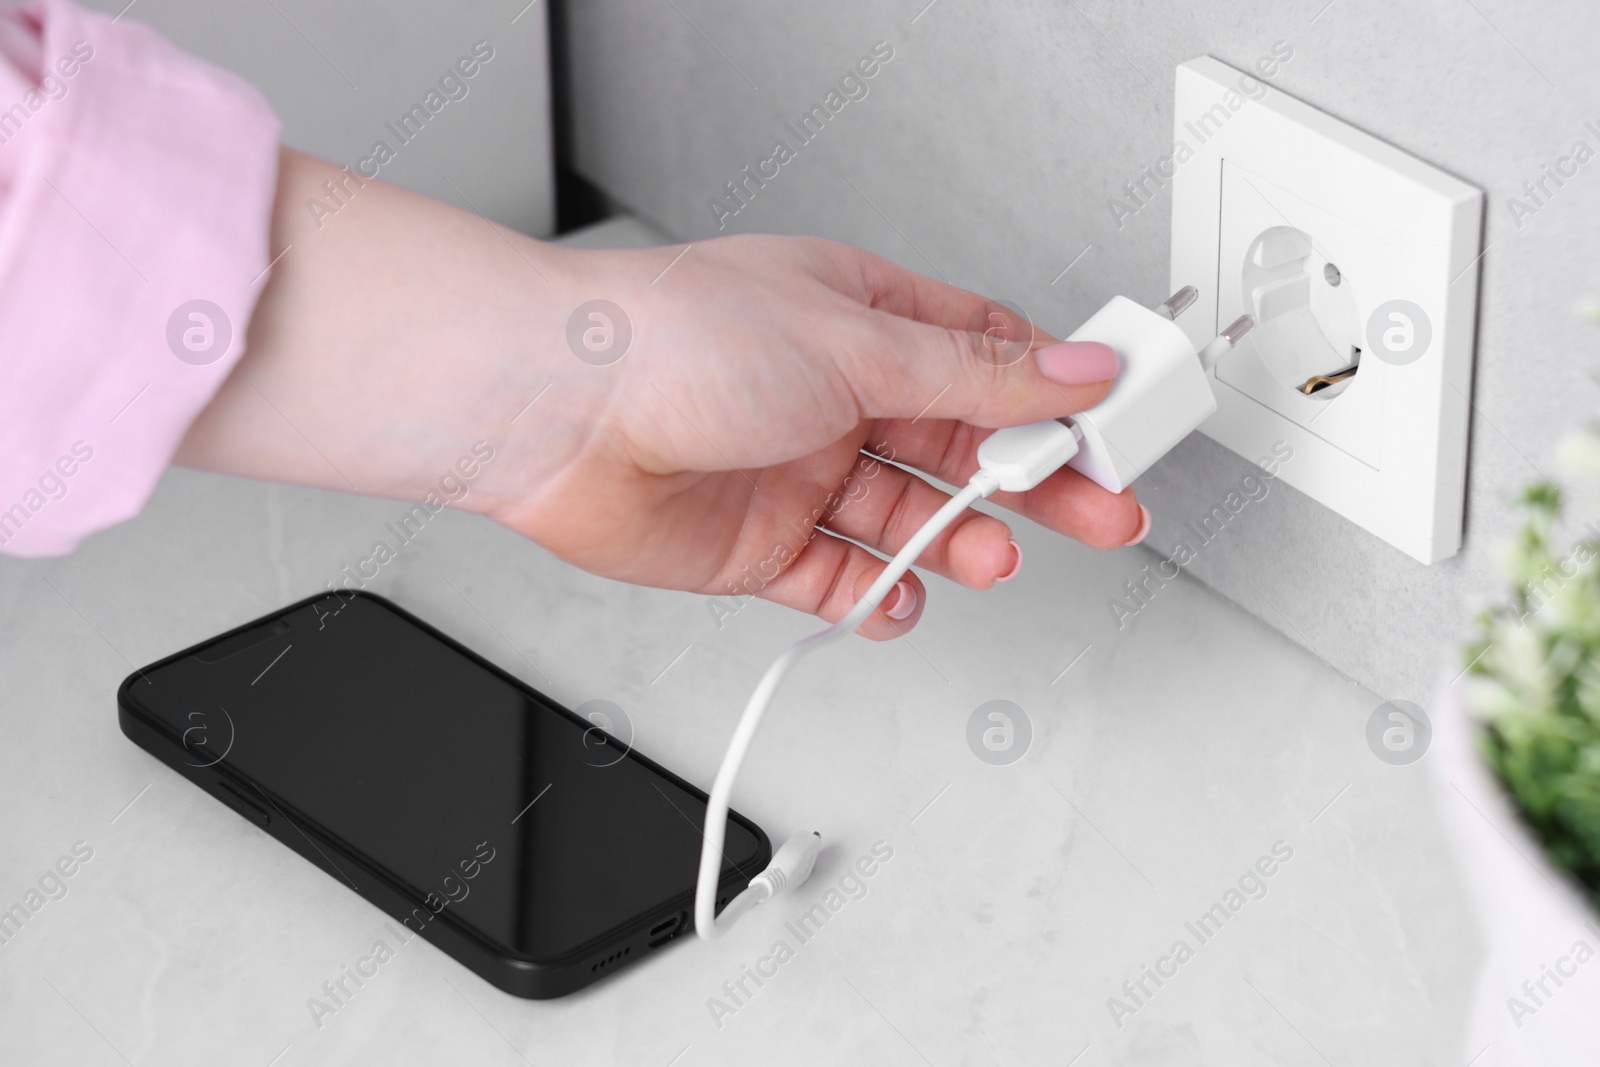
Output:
x=1349 y=253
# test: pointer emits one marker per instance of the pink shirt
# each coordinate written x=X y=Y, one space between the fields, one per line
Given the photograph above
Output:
x=136 y=190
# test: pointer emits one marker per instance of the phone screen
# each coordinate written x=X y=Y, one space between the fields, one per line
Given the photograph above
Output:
x=533 y=829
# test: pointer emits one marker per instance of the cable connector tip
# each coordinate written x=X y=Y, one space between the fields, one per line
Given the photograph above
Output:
x=790 y=866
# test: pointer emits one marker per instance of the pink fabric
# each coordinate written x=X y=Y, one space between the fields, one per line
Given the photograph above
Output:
x=134 y=179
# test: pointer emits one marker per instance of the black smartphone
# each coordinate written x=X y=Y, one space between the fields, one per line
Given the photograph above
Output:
x=531 y=845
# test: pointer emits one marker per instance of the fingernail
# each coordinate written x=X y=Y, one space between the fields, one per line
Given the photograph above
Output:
x=904 y=602
x=1015 y=567
x=1144 y=527
x=1077 y=362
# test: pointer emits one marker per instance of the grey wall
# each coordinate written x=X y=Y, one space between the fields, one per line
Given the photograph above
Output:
x=336 y=72
x=986 y=152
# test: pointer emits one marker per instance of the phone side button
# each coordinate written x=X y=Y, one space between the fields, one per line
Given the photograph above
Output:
x=242 y=804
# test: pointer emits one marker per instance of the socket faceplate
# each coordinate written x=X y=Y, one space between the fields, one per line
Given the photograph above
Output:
x=1269 y=192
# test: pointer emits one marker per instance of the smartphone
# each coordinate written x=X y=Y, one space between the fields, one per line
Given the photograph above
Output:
x=535 y=847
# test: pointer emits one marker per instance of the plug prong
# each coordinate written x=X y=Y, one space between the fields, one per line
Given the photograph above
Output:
x=1179 y=302
x=1223 y=343
x=1238 y=328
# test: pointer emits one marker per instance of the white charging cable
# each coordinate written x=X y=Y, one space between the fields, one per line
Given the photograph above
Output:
x=792 y=864
x=1160 y=396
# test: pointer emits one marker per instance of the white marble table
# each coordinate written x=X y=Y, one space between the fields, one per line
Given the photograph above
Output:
x=1165 y=761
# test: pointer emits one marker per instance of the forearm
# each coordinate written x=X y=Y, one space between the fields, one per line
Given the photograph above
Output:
x=392 y=298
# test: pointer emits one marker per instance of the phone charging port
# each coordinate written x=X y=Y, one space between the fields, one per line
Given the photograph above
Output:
x=667 y=929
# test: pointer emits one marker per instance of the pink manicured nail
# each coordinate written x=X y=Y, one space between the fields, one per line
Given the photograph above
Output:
x=1077 y=362
x=1144 y=527
x=1015 y=567
x=904 y=602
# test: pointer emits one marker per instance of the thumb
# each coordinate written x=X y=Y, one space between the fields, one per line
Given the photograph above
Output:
x=1003 y=374
x=933 y=349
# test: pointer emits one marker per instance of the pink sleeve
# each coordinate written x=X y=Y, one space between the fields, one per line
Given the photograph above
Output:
x=136 y=192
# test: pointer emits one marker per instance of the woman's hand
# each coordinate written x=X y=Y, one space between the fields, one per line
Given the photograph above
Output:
x=720 y=451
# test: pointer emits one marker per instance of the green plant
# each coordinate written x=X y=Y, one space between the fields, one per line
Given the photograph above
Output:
x=1534 y=674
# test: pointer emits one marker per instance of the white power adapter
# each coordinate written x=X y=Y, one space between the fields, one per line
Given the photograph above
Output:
x=1162 y=393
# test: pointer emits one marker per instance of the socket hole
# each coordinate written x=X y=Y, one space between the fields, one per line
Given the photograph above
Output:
x=1335 y=379
x=1304 y=331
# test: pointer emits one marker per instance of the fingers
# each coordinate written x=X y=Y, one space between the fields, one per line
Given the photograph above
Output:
x=923 y=348
x=1071 y=504
x=1066 y=502
x=830 y=575
x=885 y=286
x=885 y=506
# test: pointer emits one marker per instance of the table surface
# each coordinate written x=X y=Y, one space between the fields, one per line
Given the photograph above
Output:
x=1165 y=760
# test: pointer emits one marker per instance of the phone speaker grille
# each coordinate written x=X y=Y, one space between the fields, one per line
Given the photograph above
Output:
x=613 y=958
